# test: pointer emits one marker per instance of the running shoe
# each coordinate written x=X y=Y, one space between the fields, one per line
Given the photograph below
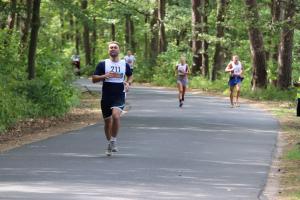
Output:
x=108 y=151
x=113 y=145
x=180 y=104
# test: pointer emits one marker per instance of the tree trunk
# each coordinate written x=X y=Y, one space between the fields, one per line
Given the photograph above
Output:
x=154 y=44
x=133 y=42
x=205 y=59
x=25 y=26
x=35 y=25
x=146 y=41
x=274 y=38
x=259 y=78
x=113 y=32
x=70 y=35
x=219 y=57
x=20 y=3
x=161 y=17
x=62 y=26
x=86 y=36
x=196 y=43
x=128 y=32
x=94 y=38
x=284 y=77
x=276 y=17
x=77 y=37
x=11 y=18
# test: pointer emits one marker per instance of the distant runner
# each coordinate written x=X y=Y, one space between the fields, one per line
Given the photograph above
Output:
x=112 y=72
x=235 y=70
x=297 y=84
x=76 y=63
x=130 y=59
x=182 y=70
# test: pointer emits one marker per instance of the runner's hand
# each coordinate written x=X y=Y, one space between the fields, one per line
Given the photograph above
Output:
x=112 y=75
x=126 y=85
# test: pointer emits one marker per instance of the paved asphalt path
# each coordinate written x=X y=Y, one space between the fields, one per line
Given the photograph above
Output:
x=204 y=150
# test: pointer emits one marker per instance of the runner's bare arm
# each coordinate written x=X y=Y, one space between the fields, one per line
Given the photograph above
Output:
x=98 y=78
x=228 y=68
x=187 y=69
x=129 y=80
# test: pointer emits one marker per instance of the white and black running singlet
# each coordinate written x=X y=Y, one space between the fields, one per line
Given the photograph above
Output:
x=113 y=86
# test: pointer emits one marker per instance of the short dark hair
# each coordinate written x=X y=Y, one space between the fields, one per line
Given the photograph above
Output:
x=114 y=42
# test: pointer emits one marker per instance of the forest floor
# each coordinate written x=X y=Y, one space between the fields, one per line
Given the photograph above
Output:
x=28 y=131
x=284 y=177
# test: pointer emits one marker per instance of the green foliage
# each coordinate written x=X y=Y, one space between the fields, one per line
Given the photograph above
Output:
x=199 y=82
x=293 y=154
x=12 y=107
x=50 y=94
x=143 y=72
x=50 y=97
x=271 y=93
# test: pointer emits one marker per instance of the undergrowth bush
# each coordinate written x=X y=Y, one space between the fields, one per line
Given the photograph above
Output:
x=50 y=94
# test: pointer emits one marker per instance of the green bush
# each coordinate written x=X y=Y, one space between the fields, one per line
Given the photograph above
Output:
x=143 y=72
x=50 y=98
x=12 y=108
x=199 y=82
x=270 y=93
x=50 y=94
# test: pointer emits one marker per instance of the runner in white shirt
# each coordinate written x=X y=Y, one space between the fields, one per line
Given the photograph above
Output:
x=112 y=72
x=235 y=70
x=130 y=59
x=182 y=70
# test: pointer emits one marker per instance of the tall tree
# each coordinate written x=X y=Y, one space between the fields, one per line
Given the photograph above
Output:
x=86 y=35
x=25 y=25
x=274 y=38
x=161 y=24
x=154 y=44
x=219 y=57
x=77 y=36
x=62 y=26
x=286 y=46
x=12 y=16
x=94 y=37
x=196 y=29
x=276 y=17
x=129 y=32
x=113 y=31
x=70 y=35
x=35 y=25
x=204 y=26
x=259 y=78
x=146 y=41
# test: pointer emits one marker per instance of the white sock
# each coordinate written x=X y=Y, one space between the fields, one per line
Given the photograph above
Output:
x=113 y=139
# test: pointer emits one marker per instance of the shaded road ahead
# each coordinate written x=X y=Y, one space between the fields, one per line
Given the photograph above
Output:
x=205 y=150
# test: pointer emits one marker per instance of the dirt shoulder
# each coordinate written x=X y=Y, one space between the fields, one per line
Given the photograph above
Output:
x=28 y=131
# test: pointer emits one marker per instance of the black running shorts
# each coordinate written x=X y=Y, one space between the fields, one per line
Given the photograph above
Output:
x=108 y=103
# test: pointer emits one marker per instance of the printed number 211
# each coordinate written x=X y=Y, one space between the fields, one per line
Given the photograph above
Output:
x=115 y=69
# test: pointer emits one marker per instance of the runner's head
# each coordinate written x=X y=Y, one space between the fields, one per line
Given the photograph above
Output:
x=182 y=60
x=235 y=59
x=129 y=53
x=113 y=49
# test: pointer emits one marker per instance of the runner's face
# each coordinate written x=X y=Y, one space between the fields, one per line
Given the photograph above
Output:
x=113 y=50
x=235 y=59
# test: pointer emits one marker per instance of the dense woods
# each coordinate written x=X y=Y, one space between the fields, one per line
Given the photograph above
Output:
x=38 y=38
